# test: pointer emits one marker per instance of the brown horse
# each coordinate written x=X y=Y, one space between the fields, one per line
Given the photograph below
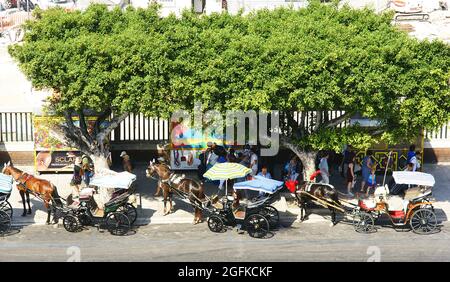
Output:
x=168 y=181
x=324 y=192
x=42 y=188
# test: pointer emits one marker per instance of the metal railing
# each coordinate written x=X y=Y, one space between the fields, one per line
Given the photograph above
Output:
x=16 y=127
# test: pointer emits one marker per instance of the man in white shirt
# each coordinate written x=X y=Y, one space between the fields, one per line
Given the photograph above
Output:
x=324 y=171
x=415 y=161
x=254 y=162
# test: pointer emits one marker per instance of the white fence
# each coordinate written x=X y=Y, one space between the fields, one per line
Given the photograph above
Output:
x=439 y=138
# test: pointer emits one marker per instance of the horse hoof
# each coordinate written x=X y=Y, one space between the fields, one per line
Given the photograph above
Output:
x=24 y=214
x=29 y=212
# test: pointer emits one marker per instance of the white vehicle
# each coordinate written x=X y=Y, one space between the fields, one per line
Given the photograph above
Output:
x=46 y=4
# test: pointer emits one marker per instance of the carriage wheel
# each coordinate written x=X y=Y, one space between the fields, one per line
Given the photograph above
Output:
x=272 y=215
x=257 y=226
x=6 y=207
x=215 y=223
x=363 y=222
x=5 y=222
x=423 y=221
x=130 y=211
x=118 y=223
x=71 y=223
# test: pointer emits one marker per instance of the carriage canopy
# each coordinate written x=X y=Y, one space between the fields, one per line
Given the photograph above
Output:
x=6 y=183
x=260 y=184
x=413 y=178
x=112 y=179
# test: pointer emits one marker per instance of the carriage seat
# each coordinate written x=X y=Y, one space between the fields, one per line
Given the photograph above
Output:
x=417 y=192
x=239 y=212
x=86 y=193
x=396 y=203
x=369 y=203
x=309 y=187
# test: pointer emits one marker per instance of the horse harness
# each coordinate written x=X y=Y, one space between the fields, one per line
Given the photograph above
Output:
x=22 y=181
x=173 y=181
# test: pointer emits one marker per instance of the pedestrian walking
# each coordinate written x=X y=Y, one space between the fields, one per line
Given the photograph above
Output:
x=366 y=168
x=88 y=170
x=292 y=169
x=126 y=162
x=253 y=162
x=411 y=153
x=351 y=176
x=324 y=169
x=231 y=156
x=415 y=161
x=371 y=181
x=349 y=155
x=76 y=178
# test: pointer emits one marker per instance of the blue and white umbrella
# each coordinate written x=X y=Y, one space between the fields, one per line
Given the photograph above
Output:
x=260 y=184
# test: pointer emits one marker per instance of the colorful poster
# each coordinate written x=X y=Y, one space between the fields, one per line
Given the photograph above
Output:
x=187 y=143
x=50 y=153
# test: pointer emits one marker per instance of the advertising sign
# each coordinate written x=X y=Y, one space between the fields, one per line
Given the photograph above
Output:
x=51 y=155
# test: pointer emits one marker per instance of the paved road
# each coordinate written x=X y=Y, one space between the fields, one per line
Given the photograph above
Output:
x=184 y=242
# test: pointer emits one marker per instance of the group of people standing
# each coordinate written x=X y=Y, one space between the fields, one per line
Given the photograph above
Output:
x=218 y=154
x=368 y=169
x=350 y=168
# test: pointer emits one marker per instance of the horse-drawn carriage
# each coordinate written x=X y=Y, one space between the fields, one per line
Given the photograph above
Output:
x=257 y=217
x=410 y=206
x=117 y=215
x=6 y=211
x=406 y=200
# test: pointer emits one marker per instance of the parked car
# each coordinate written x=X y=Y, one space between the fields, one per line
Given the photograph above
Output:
x=46 y=4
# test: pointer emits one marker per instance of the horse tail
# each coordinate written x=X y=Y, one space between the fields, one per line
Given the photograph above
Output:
x=56 y=197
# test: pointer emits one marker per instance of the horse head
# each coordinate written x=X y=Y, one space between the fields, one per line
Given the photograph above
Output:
x=150 y=169
x=162 y=170
x=6 y=168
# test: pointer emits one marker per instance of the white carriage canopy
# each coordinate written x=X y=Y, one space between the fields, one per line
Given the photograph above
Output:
x=6 y=183
x=112 y=179
x=413 y=178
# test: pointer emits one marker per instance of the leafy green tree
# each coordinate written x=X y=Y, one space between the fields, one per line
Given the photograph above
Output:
x=308 y=61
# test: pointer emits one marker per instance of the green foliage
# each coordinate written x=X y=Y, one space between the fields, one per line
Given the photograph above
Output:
x=318 y=58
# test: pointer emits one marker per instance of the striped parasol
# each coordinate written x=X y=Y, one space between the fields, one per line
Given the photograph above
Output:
x=224 y=171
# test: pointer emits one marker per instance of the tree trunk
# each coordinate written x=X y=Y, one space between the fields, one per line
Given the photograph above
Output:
x=100 y=162
x=93 y=143
x=308 y=158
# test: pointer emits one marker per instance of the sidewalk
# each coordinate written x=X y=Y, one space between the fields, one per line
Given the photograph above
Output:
x=150 y=208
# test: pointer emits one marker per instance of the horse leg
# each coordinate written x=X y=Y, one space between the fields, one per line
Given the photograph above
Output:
x=166 y=197
x=22 y=195
x=165 y=203
x=28 y=201
x=158 y=189
x=333 y=216
x=196 y=215
x=49 y=213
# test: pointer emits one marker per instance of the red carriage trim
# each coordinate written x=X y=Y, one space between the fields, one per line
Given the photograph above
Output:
x=291 y=185
x=314 y=175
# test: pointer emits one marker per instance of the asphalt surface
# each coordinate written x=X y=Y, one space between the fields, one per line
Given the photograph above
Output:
x=185 y=242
